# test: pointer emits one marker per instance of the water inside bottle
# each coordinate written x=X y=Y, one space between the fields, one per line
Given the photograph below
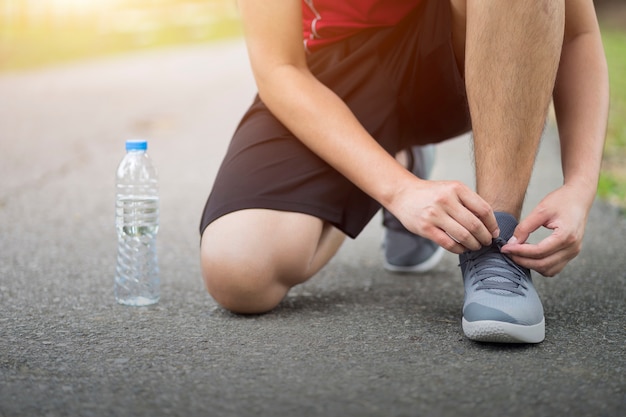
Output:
x=137 y=216
x=137 y=274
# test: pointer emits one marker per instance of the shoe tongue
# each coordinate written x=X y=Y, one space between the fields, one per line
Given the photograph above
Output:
x=507 y=224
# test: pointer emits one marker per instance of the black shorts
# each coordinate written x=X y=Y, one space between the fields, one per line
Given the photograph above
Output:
x=403 y=85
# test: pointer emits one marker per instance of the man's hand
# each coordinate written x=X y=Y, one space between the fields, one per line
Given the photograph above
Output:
x=563 y=213
x=448 y=213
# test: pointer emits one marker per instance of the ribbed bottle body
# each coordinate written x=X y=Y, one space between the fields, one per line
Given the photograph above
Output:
x=137 y=281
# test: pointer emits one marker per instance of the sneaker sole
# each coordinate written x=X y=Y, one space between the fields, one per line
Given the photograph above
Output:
x=502 y=332
x=425 y=266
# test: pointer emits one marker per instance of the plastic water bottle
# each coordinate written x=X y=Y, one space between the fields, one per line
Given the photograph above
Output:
x=137 y=223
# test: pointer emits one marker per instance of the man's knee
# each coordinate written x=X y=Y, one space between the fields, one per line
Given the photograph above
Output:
x=251 y=258
x=241 y=284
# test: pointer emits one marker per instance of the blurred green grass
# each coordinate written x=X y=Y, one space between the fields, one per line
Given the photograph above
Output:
x=612 y=185
x=32 y=40
x=38 y=48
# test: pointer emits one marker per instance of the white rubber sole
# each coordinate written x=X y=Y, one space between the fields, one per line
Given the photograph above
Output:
x=502 y=332
x=425 y=266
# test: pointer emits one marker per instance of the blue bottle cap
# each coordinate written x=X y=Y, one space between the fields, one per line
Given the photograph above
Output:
x=136 y=145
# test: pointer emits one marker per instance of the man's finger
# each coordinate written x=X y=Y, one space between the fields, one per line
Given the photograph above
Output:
x=547 y=247
x=528 y=225
x=480 y=209
x=547 y=267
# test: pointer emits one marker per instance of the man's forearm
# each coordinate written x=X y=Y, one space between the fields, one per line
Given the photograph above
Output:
x=581 y=100
x=325 y=124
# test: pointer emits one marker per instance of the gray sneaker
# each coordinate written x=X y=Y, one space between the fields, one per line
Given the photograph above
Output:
x=501 y=303
x=404 y=251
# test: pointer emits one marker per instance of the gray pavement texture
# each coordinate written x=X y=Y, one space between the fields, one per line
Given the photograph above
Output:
x=354 y=341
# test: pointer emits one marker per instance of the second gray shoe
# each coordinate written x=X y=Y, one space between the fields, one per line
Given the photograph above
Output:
x=405 y=251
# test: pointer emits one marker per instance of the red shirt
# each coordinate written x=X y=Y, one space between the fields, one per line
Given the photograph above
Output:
x=327 y=21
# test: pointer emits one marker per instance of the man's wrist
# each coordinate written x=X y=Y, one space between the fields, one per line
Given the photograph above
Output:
x=585 y=186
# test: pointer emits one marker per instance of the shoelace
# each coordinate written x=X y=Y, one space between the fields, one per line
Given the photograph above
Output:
x=492 y=270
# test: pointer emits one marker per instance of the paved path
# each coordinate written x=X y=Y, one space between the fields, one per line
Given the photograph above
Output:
x=354 y=341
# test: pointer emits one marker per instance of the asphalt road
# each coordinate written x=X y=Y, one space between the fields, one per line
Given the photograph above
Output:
x=354 y=341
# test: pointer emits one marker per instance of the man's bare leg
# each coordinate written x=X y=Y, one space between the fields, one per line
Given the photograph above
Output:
x=251 y=258
x=512 y=52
